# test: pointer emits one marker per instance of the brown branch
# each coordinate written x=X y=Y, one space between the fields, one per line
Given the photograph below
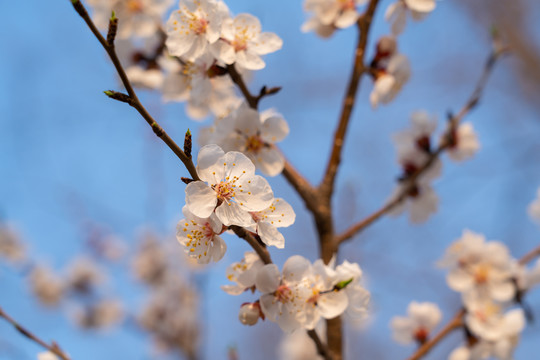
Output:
x=133 y=99
x=256 y=245
x=252 y=100
x=530 y=256
x=446 y=142
x=364 y=25
x=321 y=348
x=53 y=347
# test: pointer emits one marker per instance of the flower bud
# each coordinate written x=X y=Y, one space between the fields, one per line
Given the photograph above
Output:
x=249 y=313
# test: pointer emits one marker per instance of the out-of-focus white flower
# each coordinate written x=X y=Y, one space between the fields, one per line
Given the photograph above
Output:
x=279 y=214
x=333 y=14
x=420 y=321
x=500 y=350
x=100 y=315
x=11 y=245
x=200 y=236
x=47 y=355
x=464 y=143
x=418 y=136
x=396 y=13
x=150 y=262
x=141 y=18
x=84 y=275
x=534 y=208
x=480 y=268
x=358 y=297
x=284 y=297
x=242 y=42
x=250 y=313
x=243 y=273
x=46 y=285
x=233 y=188
x=195 y=25
x=421 y=202
x=527 y=278
x=390 y=80
x=254 y=134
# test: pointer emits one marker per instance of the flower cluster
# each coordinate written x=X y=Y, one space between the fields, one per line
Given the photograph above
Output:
x=229 y=193
x=416 y=154
x=302 y=294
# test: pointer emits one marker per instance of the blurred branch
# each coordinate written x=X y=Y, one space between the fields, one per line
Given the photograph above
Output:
x=53 y=347
x=364 y=25
x=321 y=349
x=131 y=97
x=457 y=321
x=446 y=141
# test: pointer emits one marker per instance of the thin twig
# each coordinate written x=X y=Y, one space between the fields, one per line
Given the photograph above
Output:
x=457 y=321
x=134 y=100
x=364 y=25
x=446 y=142
x=53 y=347
x=321 y=348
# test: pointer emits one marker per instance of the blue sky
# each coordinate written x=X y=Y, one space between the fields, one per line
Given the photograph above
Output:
x=67 y=150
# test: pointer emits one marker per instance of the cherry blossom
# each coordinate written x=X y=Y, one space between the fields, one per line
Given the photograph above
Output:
x=11 y=245
x=332 y=13
x=46 y=285
x=390 y=80
x=421 y=202
x=482 y=350
x=284 y=297
x=233 y=188
x=480 y=268
x=279 y=214
x=418 y=136
x=526 y=278
x=254 y=135
x=193 y=26
x=200 y=236
x=358 y=297
x=243 y=273
x=84 y=275
x=420 y=321
x=396 y=13
x=242 y=42
x=464 y=143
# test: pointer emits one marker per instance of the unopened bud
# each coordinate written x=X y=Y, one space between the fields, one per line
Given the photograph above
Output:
x=249 y=313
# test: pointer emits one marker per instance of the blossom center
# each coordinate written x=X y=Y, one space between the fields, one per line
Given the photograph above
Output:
x=254 y=143
x=224 y=190
x=347 y=4
x=134 y=6
x=481 y=274
x=283 y=294
x=240 y=40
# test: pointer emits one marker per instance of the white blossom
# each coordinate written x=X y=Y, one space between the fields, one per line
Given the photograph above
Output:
x=421 y=202
x=46 y=285
x=358 y=296
x=150 y=262
x=465 y=143
x=254 y=134
x=200 y=237
x=100 y=315
x=331 y=14
x=396 y=13
x=299 y=346
x=194 y=26
x=419 y=323
x=390 y=80
x=84 y=275
x=11 y=245
x=242 y=42
x=278 y=214
x=233 y=188
x=527 y=278
x=243 y=273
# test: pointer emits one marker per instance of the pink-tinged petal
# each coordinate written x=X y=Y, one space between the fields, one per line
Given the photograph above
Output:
x=223 y=51
x=332 y=304
x=249 y=60
x=269 y=306
x=197 y=48
x=280 y=213
x=233 y=289
x=270 y=235
x=295 y=268
x=218 y=249
x=232 y=214
x=249 y=23
x=274 y=129
x=421 y=5
x=248 y=121
x=266 y=43
x=268 y=279
x=270 y=161
x=201 y=200
x=256 y=194
x=346 y=19
x=209 y=163
x=215 y=224
x=459 y=280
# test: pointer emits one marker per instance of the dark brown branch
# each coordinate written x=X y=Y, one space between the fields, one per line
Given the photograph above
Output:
x=321 y=349
x=446 y=142
x=53 y=347
x=364 y=25
x=134 y=100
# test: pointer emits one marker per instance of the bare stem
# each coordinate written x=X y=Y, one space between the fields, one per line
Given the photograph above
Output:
x=410 y=182
x=321 y=349
x=133 y=99
x=53 y=347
